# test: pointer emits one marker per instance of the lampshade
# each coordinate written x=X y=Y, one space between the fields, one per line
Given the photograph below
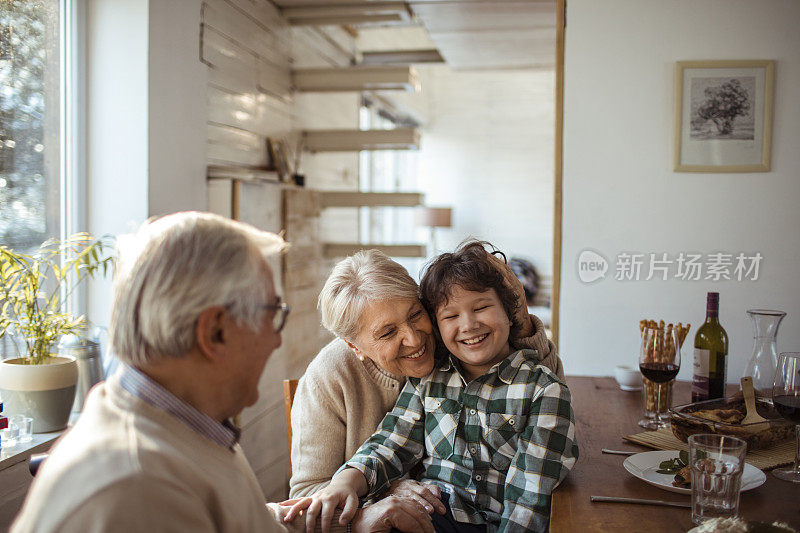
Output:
x=434 y=217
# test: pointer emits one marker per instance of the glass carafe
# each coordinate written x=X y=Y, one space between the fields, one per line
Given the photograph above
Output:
x=764 y=361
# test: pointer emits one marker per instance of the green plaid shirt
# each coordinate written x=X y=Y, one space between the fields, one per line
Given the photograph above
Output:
x=499 y=445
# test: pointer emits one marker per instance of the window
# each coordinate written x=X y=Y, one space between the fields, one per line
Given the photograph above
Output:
x=30 y=122
x=33 y=179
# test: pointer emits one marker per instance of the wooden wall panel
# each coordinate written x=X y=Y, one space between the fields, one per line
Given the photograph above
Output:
x=269 y=44
x=220 y=197
x=231 y=63
x=278 y=470
x=268 y=432
x=227 y=144
x=301 y=203
x=246 y=46
x=249 y=50
x=267 y=16
x=260 y=113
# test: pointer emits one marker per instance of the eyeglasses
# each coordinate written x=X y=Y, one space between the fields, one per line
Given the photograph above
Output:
x=281 y=314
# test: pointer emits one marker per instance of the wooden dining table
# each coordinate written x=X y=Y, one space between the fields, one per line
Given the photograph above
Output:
x=603 y=414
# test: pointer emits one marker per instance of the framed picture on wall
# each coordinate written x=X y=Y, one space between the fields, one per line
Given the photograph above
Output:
x=723 y=115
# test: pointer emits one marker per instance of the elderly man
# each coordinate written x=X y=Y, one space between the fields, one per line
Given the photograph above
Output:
x=194 y=320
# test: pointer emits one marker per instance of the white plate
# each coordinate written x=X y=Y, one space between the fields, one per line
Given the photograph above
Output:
x=644 y=466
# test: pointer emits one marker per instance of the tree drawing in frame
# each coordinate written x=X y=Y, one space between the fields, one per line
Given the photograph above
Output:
x=722 y=108
x=723 y=115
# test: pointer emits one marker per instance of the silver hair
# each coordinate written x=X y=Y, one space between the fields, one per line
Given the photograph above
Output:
x=365 y=276
x=175 y=267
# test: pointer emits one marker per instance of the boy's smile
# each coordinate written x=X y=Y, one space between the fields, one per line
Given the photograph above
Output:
x=474 y=327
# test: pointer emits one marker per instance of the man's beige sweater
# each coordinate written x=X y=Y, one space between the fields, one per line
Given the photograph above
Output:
x=128 y=466
x=340 y=401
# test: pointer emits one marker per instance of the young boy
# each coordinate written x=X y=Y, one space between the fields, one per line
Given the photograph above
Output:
x=495 y=431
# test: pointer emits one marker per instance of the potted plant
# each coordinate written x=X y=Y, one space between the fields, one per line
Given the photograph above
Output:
x=33 y=288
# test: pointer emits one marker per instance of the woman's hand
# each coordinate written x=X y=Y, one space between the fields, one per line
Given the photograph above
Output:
x=429 y=496
x=393 y=512
x=521 y=318
x=342 y=492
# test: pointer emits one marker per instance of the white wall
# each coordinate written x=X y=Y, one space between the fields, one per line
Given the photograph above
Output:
x=116 y=125
x=145 y=118
x=177 y=109
x=620 y=193
x=487 y=151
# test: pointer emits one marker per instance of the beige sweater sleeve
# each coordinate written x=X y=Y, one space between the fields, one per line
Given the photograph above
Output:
x=316 y=412
x=338 y=404
x=142 y=503
x=548 y=354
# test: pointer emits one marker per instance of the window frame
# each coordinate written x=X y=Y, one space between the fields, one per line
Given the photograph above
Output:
x=72 y=133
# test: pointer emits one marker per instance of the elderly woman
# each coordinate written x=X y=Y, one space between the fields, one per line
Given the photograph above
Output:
x=383 y=336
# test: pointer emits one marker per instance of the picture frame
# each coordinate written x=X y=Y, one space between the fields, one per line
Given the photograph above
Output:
x=723 y=115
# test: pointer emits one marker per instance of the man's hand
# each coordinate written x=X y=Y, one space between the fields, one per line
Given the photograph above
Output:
x=393 y=512
x=429 y=496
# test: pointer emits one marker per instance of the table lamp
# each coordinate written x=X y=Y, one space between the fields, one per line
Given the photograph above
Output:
x=432 y=218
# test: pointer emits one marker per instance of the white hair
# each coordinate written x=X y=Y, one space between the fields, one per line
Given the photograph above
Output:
x=173 y=269
x=365 y=276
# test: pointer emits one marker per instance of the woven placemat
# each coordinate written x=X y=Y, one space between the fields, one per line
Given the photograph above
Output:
x=779 y=454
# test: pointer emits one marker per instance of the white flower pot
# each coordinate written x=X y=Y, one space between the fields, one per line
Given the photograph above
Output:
x=43 y=392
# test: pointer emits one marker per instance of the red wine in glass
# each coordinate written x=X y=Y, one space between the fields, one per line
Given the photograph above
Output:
x=788 y=407
x=659 y=372
x=659 y=361
x=786 y=399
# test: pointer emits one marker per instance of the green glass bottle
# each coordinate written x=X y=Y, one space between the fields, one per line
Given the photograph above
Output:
x=710 y=355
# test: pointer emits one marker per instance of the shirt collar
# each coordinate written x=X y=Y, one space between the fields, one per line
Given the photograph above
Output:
x=143 y=387
x=506 y=369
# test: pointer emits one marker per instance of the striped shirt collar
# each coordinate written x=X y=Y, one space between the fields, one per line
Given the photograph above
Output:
x=140 y=385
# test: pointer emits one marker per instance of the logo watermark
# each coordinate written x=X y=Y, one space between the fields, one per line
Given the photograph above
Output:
x=685 y=266
x=591 y=266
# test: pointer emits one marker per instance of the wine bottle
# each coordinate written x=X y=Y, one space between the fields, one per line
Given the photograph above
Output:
x=710 y=355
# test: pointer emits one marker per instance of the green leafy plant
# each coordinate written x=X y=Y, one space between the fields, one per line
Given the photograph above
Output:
x=33 y=288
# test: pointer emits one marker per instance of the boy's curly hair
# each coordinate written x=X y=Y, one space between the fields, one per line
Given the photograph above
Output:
x=470 y=268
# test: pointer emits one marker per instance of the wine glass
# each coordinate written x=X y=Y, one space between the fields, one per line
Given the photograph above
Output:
x=786 y=398
x=659 y=361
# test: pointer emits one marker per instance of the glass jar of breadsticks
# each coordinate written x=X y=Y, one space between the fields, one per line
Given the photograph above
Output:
x=651 y=402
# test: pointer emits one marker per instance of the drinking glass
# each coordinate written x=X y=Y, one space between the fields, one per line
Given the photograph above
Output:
x=786 y=398
x=24 y=426
x=659 y=361
x=8 y=436
x=717 y=463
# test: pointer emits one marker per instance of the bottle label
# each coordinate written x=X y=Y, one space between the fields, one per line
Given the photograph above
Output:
x=701 y=381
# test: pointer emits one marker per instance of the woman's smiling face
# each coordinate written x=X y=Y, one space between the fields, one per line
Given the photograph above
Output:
x=474 y=327
x=397 y=335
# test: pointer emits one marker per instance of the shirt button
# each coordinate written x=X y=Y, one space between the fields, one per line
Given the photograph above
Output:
x=512 y=422
x=478 y=477
x=473 y=412
x=473 y=450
